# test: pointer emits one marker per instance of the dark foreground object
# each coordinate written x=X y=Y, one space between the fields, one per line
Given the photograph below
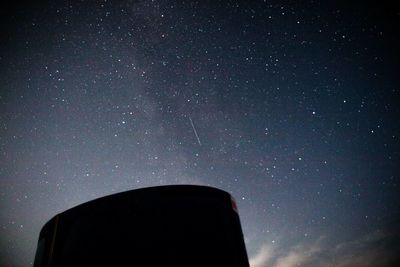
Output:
x=158 y=226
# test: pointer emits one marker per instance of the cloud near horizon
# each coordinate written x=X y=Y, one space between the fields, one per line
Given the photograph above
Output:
x=375 y=249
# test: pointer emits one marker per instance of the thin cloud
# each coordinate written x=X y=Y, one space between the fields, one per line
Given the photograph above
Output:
x=297 y=256
x=262 y=257
x=375 y=249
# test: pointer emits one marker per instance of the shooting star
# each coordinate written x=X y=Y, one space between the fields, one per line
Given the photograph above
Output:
x=194 y=130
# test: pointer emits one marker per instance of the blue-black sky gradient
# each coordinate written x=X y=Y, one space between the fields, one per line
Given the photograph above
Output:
x=292 y=107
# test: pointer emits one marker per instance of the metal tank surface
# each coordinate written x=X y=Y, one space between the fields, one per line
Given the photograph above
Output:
x=178 y=225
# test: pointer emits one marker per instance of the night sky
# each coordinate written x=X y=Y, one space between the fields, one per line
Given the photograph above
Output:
x=292 y=107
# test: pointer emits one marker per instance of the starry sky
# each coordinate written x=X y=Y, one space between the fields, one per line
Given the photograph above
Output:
x=291 y=106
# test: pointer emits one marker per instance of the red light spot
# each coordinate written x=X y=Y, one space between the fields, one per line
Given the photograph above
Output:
x=234 y=206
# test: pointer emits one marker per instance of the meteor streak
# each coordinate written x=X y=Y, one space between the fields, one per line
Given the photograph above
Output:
x=194 y=130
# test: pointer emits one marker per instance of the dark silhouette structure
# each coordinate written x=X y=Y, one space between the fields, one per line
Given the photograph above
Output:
x=178 y=225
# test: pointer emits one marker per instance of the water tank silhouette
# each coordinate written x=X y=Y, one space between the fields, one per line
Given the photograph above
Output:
x=179 y=225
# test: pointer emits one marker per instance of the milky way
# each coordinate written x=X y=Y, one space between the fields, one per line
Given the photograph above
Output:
x=291 y=107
